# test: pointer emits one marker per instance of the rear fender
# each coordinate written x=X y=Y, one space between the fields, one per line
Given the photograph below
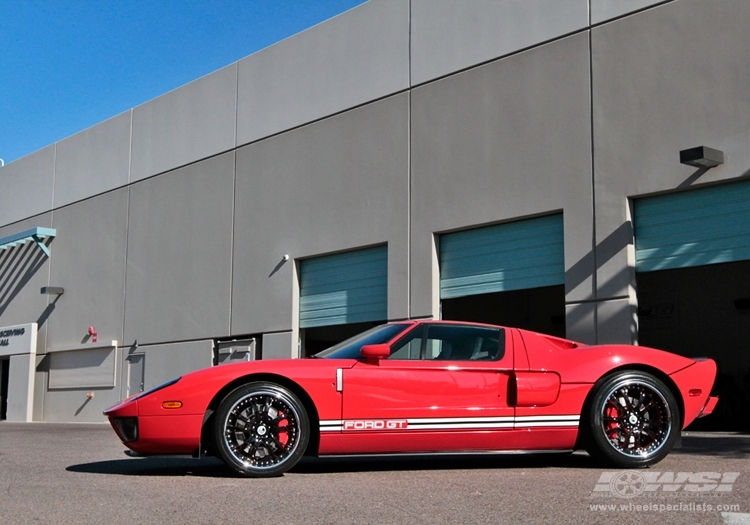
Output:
x=578 y=363
x=695 y=383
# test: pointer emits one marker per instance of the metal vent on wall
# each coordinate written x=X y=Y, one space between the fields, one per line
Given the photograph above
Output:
x=236 y=351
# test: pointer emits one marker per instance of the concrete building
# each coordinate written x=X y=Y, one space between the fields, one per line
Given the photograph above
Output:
x=491 y=160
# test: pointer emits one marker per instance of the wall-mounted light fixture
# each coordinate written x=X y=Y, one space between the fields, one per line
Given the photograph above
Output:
x=52 y=290
x=702 y=157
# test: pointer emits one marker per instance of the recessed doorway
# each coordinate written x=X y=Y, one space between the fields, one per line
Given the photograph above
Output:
x=538 y=309
x=4 y=378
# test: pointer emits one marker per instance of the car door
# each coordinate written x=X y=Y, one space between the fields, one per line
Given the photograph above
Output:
x=444 y=387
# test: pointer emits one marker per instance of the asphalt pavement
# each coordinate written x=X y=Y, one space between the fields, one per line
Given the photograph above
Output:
x=78 y=474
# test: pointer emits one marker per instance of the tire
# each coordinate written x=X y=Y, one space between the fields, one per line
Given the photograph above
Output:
x=633 y=420
x=261 y=430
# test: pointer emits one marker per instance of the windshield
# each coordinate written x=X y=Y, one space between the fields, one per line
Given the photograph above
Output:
x=350 y=348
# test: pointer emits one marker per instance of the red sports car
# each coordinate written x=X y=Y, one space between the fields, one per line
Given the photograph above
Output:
x=426 y=386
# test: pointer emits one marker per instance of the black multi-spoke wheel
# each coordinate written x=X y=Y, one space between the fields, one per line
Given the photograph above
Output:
x=261 y=430
x=633 y=420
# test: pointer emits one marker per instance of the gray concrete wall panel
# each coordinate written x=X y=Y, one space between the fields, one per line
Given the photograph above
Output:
x=354 y=58
x=40 y=387
x=580 y=322
x=165 y=362
x=603 y=10
x=335 y=185
x=279 y=346
x=449 y=36
x=82 y=405
x=179 y=254
x=27 y=186
x=88 y=261
x=648 y=105
x=66 y=406
x=23 y=271
x=93 y=161
x=21 y=387
x=506 y=140
x=190 y=123
x=616 y=322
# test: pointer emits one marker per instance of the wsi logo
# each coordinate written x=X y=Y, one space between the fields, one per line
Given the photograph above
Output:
x=631 y=483
x=377 y=424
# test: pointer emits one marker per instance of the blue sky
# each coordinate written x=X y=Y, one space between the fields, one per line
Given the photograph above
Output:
x=66 y=65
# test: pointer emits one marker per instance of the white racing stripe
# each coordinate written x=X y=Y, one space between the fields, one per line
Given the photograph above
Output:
x=547 y=418
x=546 y=424
x=547 y=421
x=434 y=426
x=331 y=425
x=461 y=420
x=453 y=423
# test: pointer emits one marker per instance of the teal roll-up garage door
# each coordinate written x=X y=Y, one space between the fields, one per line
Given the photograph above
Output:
x=350 y=287
x=693 y=228
x=513 y=256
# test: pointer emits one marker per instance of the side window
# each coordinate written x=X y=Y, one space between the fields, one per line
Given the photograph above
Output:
x=409 y=347
x=465 y=343
x=451 y=342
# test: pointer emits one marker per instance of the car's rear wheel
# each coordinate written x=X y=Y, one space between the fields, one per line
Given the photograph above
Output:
x=633 y=420
x=261 y=430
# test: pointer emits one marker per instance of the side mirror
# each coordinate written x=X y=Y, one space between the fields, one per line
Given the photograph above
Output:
x=374 y=353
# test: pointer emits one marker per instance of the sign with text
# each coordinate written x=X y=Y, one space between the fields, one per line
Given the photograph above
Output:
x=17 y=340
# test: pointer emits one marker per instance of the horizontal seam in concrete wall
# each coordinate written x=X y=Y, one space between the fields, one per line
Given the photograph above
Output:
x=538 y=44
x=630 y=13
x=223 y=338
x=164 y=343
x=502 y=57
x=329 y=116
x=416 y=318
x=599 y=300
x=270 y=332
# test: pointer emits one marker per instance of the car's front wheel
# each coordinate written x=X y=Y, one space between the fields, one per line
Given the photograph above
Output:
x=633 y=420
x=261 y=430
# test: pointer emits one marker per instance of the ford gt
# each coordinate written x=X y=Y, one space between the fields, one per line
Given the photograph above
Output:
x=426 y=387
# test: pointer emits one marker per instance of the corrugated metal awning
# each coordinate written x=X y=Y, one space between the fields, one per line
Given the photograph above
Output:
x=37 y=235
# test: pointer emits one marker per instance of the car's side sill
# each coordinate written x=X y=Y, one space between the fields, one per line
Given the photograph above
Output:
x=134 y=454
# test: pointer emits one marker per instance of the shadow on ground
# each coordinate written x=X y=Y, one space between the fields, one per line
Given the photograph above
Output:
x=727 y=445
x=443 y=462
x=212 y=467
x=156 y=466
x=706 y=444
